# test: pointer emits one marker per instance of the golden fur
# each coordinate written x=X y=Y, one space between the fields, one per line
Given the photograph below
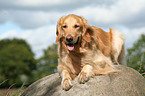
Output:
x=91 y=53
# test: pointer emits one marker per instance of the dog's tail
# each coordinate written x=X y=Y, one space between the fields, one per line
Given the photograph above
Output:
x=117 y=46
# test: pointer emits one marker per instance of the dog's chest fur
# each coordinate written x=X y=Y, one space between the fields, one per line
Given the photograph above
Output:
x=75 y=61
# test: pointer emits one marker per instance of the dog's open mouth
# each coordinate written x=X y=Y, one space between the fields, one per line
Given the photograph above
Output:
x=71 y=46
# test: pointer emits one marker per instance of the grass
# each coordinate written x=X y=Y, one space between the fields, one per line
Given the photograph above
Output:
x=11 y=91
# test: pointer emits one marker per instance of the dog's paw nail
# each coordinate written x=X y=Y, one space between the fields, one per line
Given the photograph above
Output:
x=67 y=84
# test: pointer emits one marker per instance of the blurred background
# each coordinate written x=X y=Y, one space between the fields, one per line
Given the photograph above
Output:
x=27 y=34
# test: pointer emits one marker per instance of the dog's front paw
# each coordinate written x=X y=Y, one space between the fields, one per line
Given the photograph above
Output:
x=83 y=77
x=85 y=74
x=66 y=84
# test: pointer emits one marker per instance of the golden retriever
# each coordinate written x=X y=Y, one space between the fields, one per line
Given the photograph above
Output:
x=85 y=50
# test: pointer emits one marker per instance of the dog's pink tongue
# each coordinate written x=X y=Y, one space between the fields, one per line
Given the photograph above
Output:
x=70 y=48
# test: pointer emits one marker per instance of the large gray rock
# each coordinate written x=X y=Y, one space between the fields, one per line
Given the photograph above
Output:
x=126 y=83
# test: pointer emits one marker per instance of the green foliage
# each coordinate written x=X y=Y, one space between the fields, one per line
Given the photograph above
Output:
x=47 y=64
x=136 y=55
x=16 y=62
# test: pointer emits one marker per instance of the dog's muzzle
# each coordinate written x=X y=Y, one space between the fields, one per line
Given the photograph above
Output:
x=70 y=42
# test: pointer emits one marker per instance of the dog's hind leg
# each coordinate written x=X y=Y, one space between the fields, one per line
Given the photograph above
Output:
x=105 y=71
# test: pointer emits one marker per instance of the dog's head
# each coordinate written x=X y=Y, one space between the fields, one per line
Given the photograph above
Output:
x=72 y=29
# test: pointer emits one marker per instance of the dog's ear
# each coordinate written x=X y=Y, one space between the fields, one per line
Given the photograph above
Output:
x=87 y=30
x=59 y=30
x=87 y=34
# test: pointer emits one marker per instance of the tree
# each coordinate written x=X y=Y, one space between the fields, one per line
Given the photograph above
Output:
x=47 y=64
x=16 y=62
x=136 y=55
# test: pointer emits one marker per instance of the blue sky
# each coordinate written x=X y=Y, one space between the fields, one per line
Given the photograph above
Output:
x=35 y=20
x=7 y=26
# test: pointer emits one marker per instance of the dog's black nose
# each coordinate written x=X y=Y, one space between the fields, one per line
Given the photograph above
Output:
x=69 y=39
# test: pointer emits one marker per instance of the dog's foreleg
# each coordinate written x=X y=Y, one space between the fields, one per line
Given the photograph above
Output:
x=85 y=74
x=66 y=79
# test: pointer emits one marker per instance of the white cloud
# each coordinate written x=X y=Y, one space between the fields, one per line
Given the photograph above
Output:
x=128 y=13
x=9 y=34
x=123 y=12
x=131 y=35
x=24 y=4
x=41 y=3
x=34 y=19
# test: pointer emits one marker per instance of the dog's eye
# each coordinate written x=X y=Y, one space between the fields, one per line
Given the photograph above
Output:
x=76 y=26
x=64 y=26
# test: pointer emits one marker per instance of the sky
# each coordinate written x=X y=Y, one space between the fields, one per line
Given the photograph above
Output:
x=36 y=20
